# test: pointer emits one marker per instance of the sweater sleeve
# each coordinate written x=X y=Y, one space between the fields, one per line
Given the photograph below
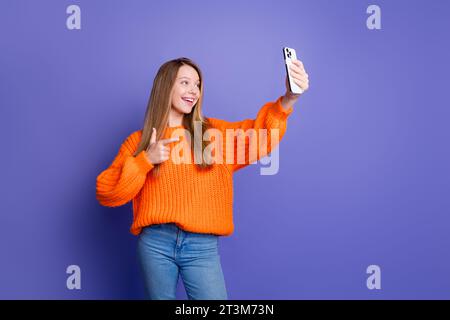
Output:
x=124 y=178
x=272 y=117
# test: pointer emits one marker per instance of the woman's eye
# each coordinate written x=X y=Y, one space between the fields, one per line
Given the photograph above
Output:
x=187 y=82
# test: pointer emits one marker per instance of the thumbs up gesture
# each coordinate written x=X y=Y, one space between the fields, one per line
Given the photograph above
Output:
x=157 y=151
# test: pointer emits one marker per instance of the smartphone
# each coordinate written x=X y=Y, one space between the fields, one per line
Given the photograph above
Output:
x=289 y=54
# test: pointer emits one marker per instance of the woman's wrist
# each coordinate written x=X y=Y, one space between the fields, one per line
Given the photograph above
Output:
x=289 y=100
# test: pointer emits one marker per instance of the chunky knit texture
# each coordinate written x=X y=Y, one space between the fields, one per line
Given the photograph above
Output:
x=196 y=200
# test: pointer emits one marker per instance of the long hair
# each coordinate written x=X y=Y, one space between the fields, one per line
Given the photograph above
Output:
x=159 y=104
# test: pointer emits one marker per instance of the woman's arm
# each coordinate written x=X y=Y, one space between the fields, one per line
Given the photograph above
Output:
x=271 y=118
x=124 y=178
x=244 y=140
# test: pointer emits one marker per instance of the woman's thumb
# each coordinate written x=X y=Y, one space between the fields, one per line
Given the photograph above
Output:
x=153 y=136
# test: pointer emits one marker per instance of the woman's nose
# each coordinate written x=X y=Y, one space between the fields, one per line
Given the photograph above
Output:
x=193 y=89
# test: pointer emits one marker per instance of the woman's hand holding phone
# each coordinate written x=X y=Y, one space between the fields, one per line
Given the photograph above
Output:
x=299 y=76
x=297 y=79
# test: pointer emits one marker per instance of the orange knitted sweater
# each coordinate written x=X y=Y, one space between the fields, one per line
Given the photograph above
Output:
x=196 y=200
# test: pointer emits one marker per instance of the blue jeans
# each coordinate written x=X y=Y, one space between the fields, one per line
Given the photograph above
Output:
x=165 y=251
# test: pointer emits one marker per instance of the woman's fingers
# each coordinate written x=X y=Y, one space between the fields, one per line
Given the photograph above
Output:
x=298 y=73
x=165 y=152
x=298 y=70
x=299 y=64
x=302 y=84
x=299 y=76
x=166 y=141
x=159 y=151
x=153 y=136
x=163 y=148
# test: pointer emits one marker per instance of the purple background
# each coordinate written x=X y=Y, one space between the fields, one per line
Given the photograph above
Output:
x=364 y=169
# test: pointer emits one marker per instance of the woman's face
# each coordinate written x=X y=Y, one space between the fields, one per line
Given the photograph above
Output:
x=186 y=89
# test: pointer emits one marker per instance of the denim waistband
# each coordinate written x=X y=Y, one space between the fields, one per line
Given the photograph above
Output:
x=173 y=227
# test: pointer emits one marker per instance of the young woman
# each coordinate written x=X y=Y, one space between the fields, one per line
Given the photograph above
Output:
x=180 y=208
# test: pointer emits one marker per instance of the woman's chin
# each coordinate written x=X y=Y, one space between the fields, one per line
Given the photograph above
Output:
x=184 y=110
x=187 y=110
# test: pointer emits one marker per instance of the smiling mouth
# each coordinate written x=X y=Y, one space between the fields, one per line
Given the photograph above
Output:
x=188 y=100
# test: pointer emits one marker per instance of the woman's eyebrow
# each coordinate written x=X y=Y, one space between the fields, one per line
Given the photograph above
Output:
x=188 y=78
